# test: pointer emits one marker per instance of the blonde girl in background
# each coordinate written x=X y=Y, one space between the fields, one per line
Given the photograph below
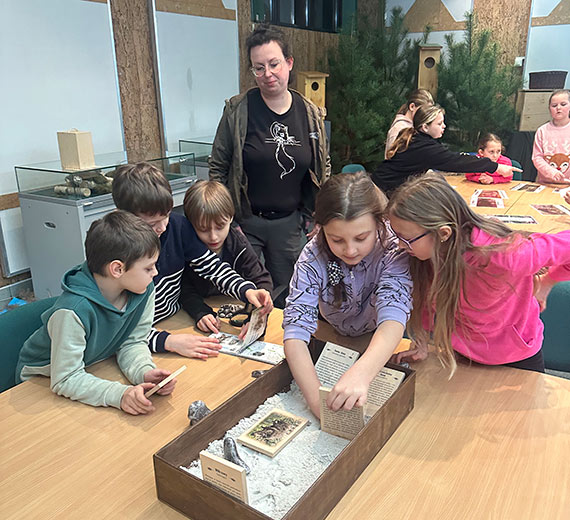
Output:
x=474 y=286
x=353 y=273
x=405 y=115
x=418 y=149
x=551 y=149
x=491 y=147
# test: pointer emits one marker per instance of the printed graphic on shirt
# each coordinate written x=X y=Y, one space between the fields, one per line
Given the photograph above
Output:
x=280 y=136
x=560 y=161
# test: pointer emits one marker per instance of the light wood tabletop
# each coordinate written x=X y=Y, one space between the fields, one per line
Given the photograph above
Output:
x=491 y=443
x=519 y=203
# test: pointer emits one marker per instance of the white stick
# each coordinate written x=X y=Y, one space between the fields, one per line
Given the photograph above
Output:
x=165 y=381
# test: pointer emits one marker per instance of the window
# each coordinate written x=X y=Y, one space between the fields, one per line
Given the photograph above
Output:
x=316 y=15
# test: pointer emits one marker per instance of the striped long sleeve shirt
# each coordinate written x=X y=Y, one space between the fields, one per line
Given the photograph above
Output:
x=180 y=246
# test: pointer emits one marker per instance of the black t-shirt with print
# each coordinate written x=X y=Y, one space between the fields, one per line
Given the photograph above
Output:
x=276 y=154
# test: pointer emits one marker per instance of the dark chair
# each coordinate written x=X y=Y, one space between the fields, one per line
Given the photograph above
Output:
x=556 y=318
x=16 y=326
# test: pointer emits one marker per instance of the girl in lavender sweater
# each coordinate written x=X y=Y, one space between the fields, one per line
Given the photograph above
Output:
x=354 y=274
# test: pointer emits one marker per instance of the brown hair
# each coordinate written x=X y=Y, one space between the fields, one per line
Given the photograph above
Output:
x=418 y=97
x=206 y=202
x=142 y=189
x=425 y=114
x=348 y=196
x=119 y=235
x=559 y=91
x=265 y=33
x=430 y=202
x=486 y=139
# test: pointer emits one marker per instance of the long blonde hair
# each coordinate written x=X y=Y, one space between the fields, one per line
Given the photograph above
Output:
x=432 y=203
x=425 y=114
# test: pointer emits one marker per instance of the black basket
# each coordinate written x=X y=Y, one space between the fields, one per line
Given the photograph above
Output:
x=550 y=79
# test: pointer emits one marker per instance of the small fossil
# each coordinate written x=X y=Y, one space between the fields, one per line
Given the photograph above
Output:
x=231 y=454
x=197 y=411
x=257 y=373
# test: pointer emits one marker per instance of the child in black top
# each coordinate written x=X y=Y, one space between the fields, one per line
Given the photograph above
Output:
x=417 y=149
x=208 y=206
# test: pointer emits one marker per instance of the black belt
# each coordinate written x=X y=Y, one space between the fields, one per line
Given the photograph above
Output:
x=271 y=215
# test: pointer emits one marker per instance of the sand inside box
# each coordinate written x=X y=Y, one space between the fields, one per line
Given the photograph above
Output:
x=275 y=484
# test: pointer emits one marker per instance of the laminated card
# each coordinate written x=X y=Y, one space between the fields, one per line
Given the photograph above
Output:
x=272 y=433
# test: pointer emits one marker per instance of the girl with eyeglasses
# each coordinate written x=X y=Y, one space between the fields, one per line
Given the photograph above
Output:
x=418 y=149
x=474 y=278
x=271 y=151
x=354 y=275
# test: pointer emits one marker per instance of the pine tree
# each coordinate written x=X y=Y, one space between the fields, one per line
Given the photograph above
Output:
x=371 y=72
x=476 y=91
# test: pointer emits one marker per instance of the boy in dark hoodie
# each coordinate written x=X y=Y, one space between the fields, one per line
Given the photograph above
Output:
x=106 y=308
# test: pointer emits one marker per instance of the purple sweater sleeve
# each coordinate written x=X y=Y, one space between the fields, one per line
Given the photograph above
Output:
x=394 y=290
x=301 y=312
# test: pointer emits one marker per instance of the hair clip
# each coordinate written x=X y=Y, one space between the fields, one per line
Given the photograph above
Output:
x=334 y=272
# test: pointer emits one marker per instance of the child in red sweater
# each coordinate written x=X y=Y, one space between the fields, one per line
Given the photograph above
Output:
x=491 y=146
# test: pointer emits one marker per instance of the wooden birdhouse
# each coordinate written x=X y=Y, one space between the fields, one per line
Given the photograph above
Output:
x=427 y=72
x=311 y=84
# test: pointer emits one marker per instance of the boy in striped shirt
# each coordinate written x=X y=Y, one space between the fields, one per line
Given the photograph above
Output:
x=143 y=190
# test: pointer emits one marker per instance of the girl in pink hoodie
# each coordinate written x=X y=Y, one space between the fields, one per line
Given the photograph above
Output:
x=474 y=278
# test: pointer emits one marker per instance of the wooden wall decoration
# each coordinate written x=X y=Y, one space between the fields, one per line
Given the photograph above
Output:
x=207 y=8
x=432 y=12
x=560 y=15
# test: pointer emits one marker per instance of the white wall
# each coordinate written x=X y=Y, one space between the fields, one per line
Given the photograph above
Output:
x=199 y=69
x=58 y=72
x=548 y=46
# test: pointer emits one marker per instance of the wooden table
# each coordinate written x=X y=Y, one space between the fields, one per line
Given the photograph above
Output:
x=518 y=203
x=490 y=443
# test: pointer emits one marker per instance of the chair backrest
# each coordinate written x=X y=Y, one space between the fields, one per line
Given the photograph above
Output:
x=517 y=176
x=16 y=326
x=353 y=168
x=556 y=346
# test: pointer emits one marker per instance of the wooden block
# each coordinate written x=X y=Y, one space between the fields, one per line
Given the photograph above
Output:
x=223 y=474
x=75 y=150
x=200 y=500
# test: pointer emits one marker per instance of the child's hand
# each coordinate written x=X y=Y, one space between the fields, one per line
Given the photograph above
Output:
x=567 y=196
x=506 y=171
x=485 y=179
x=418 y=351
x=134 y=401
x=350 y=390
x=260 y=298
x=156 y=375
x=542 y=287
x=192 y=345
x=209 y=323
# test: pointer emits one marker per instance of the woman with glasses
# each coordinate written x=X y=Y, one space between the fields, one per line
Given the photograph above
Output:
x=271 y=151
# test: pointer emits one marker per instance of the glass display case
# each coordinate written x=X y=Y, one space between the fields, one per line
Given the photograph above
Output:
x=201 y=147
x=50 y=180
x=58 y=206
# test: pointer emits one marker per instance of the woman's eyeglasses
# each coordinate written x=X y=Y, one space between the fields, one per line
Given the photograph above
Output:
x=407 y=243
x=274 y=67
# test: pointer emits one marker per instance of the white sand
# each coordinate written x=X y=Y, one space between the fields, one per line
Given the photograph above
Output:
x=275 y=484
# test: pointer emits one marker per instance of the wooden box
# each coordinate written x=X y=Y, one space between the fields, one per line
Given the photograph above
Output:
x=200 y=500
x=75 y=150
x=312 y=85
x=430 y=56
x=532 y=105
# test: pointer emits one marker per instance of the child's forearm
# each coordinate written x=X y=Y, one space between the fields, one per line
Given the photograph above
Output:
x=382 y=345
x=303 y=370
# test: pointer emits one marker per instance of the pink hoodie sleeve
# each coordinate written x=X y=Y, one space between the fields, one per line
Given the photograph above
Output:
x=497 y=178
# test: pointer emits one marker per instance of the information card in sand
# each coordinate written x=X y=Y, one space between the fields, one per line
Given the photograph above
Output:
x=343 y=423
x=223 y=474
x=333 y=362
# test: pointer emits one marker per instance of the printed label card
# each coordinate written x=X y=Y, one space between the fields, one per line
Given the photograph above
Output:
x=333 y=362
x=491 y=194
x=342 y=423
x=531 y=188
x=514 y=219
x=480 y=202
x=551 y=209
x=225 y=475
